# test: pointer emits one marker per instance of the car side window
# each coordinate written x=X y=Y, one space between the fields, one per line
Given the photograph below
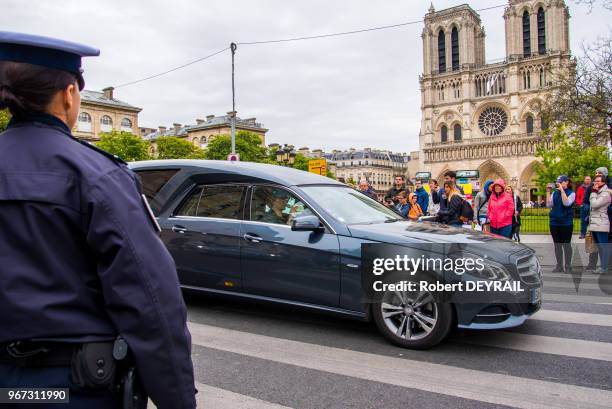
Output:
x=190 y=205
x=222 y=202
x=152 y=182
x=276 y=205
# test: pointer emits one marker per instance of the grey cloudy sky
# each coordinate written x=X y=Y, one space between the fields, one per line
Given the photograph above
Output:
x=352 y=91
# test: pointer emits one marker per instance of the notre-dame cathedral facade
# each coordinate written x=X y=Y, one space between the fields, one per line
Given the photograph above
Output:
x=482 y=116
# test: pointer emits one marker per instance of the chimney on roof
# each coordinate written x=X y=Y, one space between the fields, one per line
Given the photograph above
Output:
x=200 y=121
x=162 y=129
x=108 y=92
x=209 y=117
x=177 y=128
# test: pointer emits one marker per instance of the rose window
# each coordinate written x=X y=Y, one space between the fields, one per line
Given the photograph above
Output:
x=492 y=121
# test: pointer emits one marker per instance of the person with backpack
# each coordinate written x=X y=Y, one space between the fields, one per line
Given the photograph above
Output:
x=500 y=210
x=450 y=213
x=516 y=219
x=481 y=202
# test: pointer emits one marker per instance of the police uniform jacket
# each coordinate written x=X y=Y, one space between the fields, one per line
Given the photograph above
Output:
x=80 y=258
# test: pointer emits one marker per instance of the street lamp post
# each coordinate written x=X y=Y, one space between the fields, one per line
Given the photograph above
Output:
x=285 y=156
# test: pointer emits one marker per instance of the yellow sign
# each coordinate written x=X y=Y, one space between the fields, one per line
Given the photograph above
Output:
x=318 y=166
x=467 y=188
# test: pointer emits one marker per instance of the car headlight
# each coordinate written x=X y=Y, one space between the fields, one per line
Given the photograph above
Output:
x=487 y=269
x=492 y=271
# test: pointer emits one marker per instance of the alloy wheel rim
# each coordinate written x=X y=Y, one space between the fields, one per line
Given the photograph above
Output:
x=409 y=315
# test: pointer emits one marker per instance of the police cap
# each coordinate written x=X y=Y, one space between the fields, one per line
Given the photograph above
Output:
x=45 y=51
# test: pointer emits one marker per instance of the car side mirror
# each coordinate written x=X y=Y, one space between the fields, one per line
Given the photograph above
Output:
x=306 y=223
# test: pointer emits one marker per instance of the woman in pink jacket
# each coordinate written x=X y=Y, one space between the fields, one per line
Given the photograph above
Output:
x=500 y=209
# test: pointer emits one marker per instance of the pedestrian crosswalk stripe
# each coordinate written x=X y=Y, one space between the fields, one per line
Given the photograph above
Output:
x=577 y=348
x=449 y=380
x=217 y=398
x=583 y=276
x=212 y=397
x=571 y=286
x=569 y=317
x=584 y=299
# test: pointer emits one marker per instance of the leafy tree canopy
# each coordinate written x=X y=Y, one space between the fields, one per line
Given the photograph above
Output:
x=575 y=154
x=5 y=117
x=248 y=146
x=126 y=145
x=170 y=147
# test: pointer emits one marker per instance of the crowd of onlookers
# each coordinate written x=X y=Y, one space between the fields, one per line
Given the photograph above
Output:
x=497 y=209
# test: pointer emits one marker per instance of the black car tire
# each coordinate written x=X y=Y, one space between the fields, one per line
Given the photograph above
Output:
x=444 y=319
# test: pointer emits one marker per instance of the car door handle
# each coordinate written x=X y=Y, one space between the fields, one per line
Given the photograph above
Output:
x=179 y=229
x=252 y=238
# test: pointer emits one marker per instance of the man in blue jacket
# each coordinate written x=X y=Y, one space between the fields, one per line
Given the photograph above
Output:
x=422 y=195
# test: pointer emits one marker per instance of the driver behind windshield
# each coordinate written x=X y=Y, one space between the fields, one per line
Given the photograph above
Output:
x=276 y=202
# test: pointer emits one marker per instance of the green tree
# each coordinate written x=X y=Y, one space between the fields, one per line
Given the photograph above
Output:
x=5 y=117
x=126 y=145
x=575 y=153
x=248 y=146
x=171 y=147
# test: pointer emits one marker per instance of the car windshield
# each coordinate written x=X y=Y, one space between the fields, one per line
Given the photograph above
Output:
x=350 y=206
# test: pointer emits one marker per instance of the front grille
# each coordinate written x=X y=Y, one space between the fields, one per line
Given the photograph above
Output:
x=528 y=269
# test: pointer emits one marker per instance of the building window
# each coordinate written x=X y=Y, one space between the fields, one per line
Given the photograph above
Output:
x=84 y=124
x=543 y=124
x=492 y=121
x=106 y=123
x=444 y=134
x=126 y=125
x=441 y=51
x=457 y=132
x=493 y=83
x=541 y=31
x=529 y=124
x=203 y=142
x=526 y=35
x=526 y=78
x=455 y=48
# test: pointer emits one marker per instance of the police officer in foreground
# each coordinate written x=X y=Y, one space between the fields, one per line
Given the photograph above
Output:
x=89 y=295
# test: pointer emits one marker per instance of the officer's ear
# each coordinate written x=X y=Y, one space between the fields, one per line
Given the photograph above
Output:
x=69 y=96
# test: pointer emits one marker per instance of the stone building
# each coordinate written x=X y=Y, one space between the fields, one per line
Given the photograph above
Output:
x=379 y=167
x=205 y=130
x=101 y=112
x=482 y=116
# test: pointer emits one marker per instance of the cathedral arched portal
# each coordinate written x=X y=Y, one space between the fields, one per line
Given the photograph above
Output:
x=527 y=183
x=492 y=170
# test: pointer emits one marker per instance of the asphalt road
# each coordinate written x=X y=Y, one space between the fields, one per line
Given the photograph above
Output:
x=260 y=356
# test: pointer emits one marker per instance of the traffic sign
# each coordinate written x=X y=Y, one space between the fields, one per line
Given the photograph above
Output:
x=318 y=166
x=233 y=157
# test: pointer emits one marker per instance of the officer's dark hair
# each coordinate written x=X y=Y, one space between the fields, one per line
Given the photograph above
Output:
x=27 y=88
x=451 y=174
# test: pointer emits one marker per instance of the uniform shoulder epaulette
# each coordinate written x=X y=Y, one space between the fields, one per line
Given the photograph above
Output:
x=102 y=152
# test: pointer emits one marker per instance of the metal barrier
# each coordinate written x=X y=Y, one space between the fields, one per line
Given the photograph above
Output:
x=537 y=220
